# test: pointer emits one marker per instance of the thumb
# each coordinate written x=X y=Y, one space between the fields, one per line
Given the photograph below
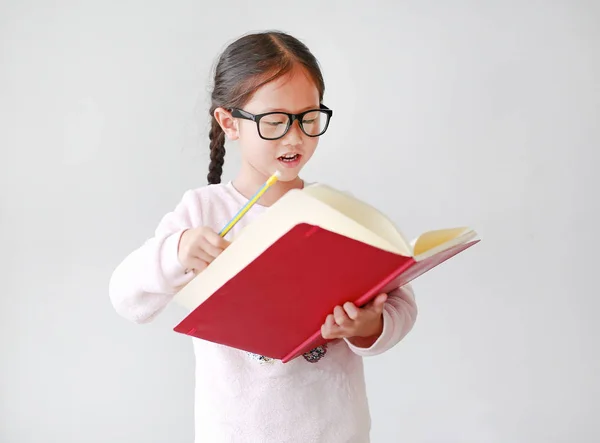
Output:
x=378 y=302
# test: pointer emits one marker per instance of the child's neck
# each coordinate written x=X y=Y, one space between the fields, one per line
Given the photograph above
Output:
x=247 y=186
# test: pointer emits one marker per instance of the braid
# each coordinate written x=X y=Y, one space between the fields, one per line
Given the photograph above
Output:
x=217 y=152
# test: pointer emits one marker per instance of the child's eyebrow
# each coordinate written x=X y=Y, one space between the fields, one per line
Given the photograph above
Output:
x=306 y=108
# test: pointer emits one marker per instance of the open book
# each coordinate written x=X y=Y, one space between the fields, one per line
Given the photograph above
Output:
x=270 y=291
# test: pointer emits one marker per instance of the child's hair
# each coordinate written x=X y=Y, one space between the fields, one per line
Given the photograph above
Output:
x=247 y=64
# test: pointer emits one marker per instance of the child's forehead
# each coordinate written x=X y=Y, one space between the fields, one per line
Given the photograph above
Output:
x=292 y=92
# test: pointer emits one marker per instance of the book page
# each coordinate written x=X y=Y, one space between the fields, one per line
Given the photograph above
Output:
x=295 y=207
x=361 y=212
x=432 y=242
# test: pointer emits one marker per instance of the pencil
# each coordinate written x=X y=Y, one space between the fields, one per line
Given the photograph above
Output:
x=250 y=203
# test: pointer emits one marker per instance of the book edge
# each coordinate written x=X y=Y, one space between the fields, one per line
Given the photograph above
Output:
x=296 y=352
x=460 y=240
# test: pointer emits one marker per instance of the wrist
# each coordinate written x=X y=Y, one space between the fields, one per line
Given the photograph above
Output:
x=362 y=342
x=170 y=264
x=370 y=336
x=180 y=236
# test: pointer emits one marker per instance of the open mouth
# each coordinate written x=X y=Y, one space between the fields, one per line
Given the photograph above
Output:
x=289 y=158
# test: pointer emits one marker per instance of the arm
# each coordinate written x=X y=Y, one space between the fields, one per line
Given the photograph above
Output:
x=399 y=316
x=147 y=279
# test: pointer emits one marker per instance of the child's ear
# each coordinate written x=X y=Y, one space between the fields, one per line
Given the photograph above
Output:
x=227 y=123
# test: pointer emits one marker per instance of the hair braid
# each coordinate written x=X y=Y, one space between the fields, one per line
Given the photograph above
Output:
x=217 y=152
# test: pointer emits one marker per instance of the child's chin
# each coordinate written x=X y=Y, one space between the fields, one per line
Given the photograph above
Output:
x=289 y=175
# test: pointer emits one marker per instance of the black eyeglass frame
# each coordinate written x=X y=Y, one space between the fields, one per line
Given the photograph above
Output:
x=240 y=113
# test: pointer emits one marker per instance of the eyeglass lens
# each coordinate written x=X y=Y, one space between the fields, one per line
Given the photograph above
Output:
x=275 y=125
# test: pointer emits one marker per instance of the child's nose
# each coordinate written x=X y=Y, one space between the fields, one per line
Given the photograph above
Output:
x=294 y=134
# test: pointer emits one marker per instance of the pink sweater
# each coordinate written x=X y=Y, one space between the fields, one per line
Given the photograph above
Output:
x=241 y=397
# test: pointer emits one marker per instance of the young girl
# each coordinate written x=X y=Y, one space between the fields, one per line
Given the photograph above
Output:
x=268 y=95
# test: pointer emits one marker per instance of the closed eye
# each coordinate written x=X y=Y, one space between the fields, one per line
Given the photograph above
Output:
x=273 y=123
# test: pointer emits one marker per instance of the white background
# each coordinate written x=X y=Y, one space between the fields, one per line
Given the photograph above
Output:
x=446 y=113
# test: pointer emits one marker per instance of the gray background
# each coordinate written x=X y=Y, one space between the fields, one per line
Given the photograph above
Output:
x=446 y=113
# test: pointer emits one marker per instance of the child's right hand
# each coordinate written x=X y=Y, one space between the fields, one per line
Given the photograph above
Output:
x=198 y=247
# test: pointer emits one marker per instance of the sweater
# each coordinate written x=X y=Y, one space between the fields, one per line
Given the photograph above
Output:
x=241 y=397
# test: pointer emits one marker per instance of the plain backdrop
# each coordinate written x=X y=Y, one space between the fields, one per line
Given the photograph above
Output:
x=484 y=114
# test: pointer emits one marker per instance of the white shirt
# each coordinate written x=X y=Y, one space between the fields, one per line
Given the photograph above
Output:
x=240 y=397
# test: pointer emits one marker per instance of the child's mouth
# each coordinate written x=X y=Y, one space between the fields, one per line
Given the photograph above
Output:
x=289 y=159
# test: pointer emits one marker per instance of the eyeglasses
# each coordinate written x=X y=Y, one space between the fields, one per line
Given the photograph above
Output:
x=274 y=125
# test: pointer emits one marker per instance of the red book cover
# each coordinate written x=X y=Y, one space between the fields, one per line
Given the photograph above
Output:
x=276 y=305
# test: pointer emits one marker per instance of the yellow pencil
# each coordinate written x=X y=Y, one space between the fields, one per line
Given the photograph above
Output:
x=250 y=203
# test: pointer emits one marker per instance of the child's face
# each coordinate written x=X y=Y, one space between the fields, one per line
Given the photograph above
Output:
x=292 y=93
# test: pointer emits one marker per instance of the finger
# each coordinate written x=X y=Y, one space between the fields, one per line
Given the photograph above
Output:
x=328 y=333
x=351 y=310
x=340 y=316
x=330 y=322
x=206 y=246
x=329 y=329
x=196 y=264
x=379 y=302
x=216 y=240
x=201 y=254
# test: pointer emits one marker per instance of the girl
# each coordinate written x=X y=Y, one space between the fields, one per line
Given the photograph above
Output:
x=268 y=95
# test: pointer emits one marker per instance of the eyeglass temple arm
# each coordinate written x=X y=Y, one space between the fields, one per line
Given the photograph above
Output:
x=242 y=114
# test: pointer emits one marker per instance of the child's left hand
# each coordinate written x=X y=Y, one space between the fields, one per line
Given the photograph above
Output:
x=350 y=321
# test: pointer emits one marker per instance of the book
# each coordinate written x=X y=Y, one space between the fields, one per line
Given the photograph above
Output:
x=270 y=291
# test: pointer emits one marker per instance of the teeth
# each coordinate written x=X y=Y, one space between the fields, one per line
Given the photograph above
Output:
x=289 y=156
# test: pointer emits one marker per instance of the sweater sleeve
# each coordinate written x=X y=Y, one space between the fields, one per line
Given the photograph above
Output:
x=399 y=316
x=144 y=283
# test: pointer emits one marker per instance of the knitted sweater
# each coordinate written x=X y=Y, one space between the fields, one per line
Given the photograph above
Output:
x=240 y=397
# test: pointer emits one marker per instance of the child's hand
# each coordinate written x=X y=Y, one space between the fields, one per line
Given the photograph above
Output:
x=353 y=322
x=198 y=247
